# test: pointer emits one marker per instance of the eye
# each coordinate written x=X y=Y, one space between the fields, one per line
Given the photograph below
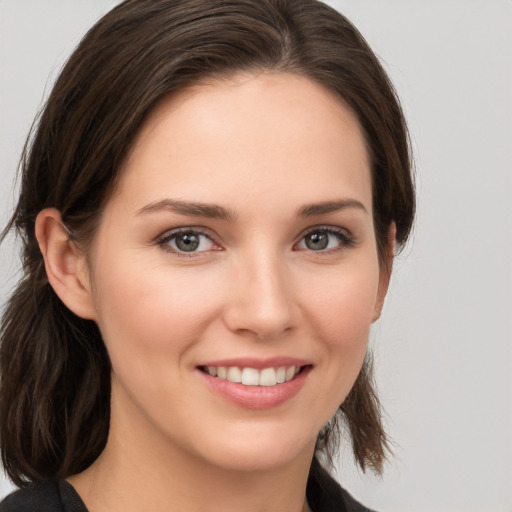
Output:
x=187 y=241
x=326 y=239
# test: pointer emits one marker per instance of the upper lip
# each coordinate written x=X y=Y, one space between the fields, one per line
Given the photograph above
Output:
x=257 y=363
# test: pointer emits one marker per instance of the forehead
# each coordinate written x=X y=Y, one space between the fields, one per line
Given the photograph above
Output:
x=261 y=133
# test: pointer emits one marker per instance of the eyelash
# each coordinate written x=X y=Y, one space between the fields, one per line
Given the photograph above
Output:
x=164 y=240
x=345 y=238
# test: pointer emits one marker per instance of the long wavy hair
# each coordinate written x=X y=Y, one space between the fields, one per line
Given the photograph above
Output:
x=54 y=368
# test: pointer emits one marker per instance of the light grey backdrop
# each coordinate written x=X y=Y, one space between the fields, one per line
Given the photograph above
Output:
x=444 y=344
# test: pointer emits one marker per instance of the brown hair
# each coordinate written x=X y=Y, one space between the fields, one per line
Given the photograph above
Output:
x=55 y=371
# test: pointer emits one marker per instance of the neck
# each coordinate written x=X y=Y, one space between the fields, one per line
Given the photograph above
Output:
x=149 y=473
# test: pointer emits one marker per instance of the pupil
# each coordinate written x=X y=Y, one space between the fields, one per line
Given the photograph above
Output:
x=187 y=242
x=317 y=241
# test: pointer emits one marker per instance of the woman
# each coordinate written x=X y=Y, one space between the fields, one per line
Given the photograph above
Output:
x=210 y=206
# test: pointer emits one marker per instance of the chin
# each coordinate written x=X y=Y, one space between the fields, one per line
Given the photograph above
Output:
x=262 y=452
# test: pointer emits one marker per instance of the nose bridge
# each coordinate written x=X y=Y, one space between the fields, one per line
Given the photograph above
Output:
x=262 y=301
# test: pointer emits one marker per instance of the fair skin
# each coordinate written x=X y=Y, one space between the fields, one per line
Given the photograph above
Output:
x=279 y=270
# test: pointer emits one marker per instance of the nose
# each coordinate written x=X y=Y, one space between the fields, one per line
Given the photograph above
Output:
x=261 y=300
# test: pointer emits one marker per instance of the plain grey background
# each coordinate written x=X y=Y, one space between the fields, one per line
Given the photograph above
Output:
x=444 y=344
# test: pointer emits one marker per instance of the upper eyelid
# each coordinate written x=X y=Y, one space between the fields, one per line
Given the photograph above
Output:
x=325 y=227
x=207 y=231
x=203 y=230
x=186 y=229
x=344 y=235
x=163 y=242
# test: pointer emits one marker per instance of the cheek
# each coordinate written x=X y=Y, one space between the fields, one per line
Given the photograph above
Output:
x=150 y=324
x=341 y=318
x=156 y=312
x=345 y=305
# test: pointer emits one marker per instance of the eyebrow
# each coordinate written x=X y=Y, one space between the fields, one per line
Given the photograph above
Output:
x=214 y=211
x=195 y=209
x=325 y=207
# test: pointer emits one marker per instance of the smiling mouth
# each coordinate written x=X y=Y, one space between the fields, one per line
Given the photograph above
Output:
x=253 y=377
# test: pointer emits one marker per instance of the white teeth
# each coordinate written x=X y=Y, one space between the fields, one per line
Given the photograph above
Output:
x=234 y=374
x=268 y=377
x=281 y=375
x=252 y=376
x=290 y=373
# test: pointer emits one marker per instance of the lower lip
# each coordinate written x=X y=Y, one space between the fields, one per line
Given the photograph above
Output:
x=256 y=397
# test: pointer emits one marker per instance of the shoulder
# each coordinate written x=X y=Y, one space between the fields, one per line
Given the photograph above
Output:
x=48 y=496
x=326 y=495
x=40 y=497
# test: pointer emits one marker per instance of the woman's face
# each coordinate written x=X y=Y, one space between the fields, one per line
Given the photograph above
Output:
x=239 y=243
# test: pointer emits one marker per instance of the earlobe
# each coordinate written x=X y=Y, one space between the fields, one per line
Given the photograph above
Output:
x=65 y=265
x=385 y=272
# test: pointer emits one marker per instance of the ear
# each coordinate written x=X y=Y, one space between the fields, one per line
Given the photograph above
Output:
x=65 y=265
x=385 y=272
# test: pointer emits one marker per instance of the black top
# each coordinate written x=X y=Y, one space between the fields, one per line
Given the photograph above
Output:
x=324 y=495
x=46 y=496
